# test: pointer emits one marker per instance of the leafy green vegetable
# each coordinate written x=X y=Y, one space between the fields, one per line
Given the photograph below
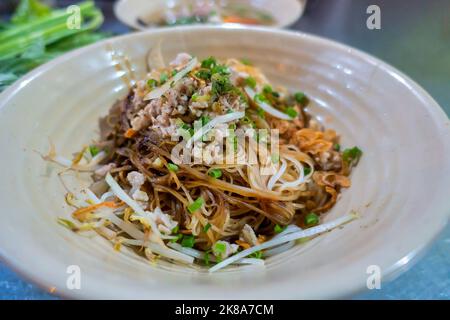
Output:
x=37 y=34
x=28 y=10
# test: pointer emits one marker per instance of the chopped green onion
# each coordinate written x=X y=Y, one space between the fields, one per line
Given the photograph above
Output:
x=278 y=228
x=256 y=255
x=188 y=241
x=306 y=170
x=220 y=247
x=267 y=89
x=176 y=229
x=94 y=150
x=152 y=83
x=311 y=219
x=352 y=154
x=194 y=97
x=163 y=78
x=220 y=69
x=246 y=61
x=178 y=236
x=203 y=74
x=260 y=98
x=209 y=62
x=206 y=258
x=221 y=84
x=205 y=120
x=337 y=147
x=172 y=167
x=251 y=82
x=291 y=112
x=196 y=205
x=300 y=97
x=215 y=173
x=261 y=112
x=174 y=72
x=206 y=227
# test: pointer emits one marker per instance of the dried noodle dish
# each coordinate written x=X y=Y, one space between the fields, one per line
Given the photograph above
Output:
x=226 y=196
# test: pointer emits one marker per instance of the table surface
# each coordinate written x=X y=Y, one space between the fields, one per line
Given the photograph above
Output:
x=415 y=38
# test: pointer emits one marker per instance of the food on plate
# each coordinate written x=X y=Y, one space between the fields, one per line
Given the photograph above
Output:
x=207 y=163
x=183 y=13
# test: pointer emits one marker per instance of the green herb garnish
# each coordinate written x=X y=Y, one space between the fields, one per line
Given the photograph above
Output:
x=220 y=247
x=172 y=167
x=206 y=227
x=337 y=147
x=221 y=84
x=311 y=219
x=246 y=61
x=278 y=228
x=256 y=255
x=215 y=173
x=251 y=82
x=300 y=97
x=352 y=154
x=203 y=74
x=163 y=78
x=94 y=150
x=188 y=241
x=209 y=63
x=196 y=205
x=152 y=83
x=291 y=112
x=306 y=170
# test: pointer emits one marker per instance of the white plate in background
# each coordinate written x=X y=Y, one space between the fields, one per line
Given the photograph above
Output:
x=285 y=12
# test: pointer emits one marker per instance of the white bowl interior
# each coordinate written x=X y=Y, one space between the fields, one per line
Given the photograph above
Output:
x=399 y=188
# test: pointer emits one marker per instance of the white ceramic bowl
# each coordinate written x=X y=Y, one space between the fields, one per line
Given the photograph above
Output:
x=400 y=188
x=285 y=12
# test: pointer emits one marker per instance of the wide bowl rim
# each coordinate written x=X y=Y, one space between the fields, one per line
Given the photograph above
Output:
x=397 y=267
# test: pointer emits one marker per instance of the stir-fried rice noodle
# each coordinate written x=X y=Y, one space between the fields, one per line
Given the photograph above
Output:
x=235 y=201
